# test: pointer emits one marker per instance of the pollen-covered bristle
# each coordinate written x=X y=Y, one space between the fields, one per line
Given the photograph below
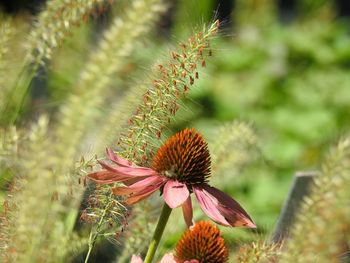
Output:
x=202 y=242
x=184 y=157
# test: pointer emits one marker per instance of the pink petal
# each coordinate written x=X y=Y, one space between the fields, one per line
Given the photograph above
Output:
x=108 y=177
x=143 y=193
x=137 y=198
x=187 y=211
x=136 y=259
x=209 y=206
x=130 y=171
x=138 y=186
x=231 y=209
x=175 y=193
x=192 y=261
x=105 y=177
x=117 y=159
x=221 y=207
x=168 y=258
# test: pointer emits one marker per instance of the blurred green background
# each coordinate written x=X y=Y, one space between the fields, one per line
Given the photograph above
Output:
x=283 y=67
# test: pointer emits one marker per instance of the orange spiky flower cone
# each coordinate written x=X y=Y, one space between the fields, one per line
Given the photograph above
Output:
x=184 y=157
x=204 y=243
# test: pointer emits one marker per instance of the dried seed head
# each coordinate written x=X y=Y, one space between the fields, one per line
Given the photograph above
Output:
x=202 y=242
x=184 y=157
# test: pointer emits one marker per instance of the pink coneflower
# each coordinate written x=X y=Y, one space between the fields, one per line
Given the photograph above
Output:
x=180 y=167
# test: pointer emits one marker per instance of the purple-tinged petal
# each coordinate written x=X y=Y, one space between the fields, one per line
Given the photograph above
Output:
x=136 y=259
x=192 y=261
x=117 y=159
x=187 y=211
x=130 y=171
x=138 y=186
x=138 y=196
x=231 y=209
x=105 y=177
x=209 y=206
x=175 y=193
x=221 y=207
x=108 y=177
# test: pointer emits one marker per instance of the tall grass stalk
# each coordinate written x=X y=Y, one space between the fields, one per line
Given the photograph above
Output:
x=51 y=28
x=232 y=146
x=91 y=90
x=323 y=216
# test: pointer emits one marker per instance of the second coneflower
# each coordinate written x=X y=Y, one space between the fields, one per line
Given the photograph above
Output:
x=180 y=167
x=201 y=243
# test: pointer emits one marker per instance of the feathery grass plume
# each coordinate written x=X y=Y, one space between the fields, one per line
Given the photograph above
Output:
x=8 y=146
x=155 y=111
x=8 y=155
x=51 y=28
x=6 y=30
x=231 y=147
x=92 y=88
x=55 y=22
x=318 y=231
x=259 y=252
x=26 y=220
x=160 y=102
x=37 y=223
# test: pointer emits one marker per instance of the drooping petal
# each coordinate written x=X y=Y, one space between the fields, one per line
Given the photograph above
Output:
x=187 y=211
x=231 y=209
x=222 y=208
x=136 y=259
x=175 y=193
x=168 y=258
x=138 y=186
x=117 y=159
x=138 y=196
x=105 y=177
x=108 y=177
x=131 y=171
x=209 y=206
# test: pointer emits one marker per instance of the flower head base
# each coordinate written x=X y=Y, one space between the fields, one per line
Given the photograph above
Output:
x=202 y=242
x=180 y=167
x=184 y=157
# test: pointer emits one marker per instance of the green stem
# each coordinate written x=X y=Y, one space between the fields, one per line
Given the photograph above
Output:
x=94 y=234
x=90 y=248
x=163 y=219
